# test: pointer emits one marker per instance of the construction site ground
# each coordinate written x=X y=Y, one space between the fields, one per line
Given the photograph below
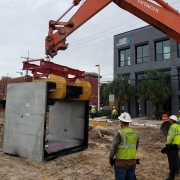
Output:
x=92 y=163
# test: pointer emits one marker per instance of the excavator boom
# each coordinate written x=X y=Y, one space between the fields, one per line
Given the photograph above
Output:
x=162 y=16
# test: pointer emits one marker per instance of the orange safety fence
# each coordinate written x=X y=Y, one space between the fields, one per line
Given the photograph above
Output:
x=165 y=117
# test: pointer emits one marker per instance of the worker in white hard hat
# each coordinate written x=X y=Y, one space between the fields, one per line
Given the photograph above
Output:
x=178 y=117
x=113 y=113
x=124 y=145
x=93 y=112
x=172 y=147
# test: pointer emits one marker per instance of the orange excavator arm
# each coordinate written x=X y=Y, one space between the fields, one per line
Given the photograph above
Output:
x=162 y=16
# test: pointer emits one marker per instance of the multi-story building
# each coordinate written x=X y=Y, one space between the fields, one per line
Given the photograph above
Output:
x=143 y=49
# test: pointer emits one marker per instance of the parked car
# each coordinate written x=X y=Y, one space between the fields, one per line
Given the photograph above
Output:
x=106 y=108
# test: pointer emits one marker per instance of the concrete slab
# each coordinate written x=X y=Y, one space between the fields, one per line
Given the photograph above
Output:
x=25 y=119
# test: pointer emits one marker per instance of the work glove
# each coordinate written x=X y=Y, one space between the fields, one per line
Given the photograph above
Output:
x=165 y=149
x=173 y=146
x=112 y=162
x=137 y=161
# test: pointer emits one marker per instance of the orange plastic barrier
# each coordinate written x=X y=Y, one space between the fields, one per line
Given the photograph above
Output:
x=164 y=117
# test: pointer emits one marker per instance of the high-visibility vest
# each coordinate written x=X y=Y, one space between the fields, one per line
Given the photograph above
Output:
x=176 y=139
x=127 y=147
x=93 y=110
x=114 y=111
x=178 y=121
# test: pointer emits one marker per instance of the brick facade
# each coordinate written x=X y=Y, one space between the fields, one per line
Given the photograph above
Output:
x=94 y=90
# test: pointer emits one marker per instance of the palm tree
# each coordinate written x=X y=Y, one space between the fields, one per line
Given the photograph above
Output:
x=154 y=87
x=105 y=91
x=122 y=90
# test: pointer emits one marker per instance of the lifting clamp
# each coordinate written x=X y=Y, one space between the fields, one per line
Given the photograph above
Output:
x=62 y=86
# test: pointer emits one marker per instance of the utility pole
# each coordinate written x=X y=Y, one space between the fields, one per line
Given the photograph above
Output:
x=27 y=59
x=98 y=86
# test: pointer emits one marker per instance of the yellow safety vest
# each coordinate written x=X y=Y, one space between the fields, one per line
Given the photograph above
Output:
x=175 y=131
x=93 y=110
x=114 y=111
x=127 y=147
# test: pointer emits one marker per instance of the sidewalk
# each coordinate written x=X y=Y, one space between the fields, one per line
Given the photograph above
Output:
x=136 y=121
x=144 y=120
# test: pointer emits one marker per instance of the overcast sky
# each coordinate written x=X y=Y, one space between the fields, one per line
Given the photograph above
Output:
x=24 y=26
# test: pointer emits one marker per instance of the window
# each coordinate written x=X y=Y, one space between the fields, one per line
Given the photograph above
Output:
x=124 y=57
x=127 y=77
x=138 y=78
x=168 y=74
x=178 y=50
x=142 y=55
x=179 y=79
x=162 y=50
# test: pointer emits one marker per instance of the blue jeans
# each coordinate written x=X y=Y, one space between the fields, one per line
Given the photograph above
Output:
x=113 y=116
x=124 y=173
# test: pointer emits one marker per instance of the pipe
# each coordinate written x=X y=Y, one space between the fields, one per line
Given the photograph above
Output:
x=66 y=12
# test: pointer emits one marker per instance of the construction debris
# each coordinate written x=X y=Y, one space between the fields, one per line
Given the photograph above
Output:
x=95 y=133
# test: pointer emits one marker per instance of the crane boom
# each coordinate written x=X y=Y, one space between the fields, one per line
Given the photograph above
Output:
x=162 y=16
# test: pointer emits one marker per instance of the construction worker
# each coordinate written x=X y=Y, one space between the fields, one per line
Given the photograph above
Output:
x=93 y=112
x=172 y=147
x=178 y=117
x=124 y=145
x=114 y=113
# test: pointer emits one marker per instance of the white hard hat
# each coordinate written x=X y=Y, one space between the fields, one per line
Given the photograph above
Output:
x=173 y=117
x=113 y=106
x=125 y=117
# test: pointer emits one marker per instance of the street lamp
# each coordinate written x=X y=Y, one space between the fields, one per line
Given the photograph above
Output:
x=98 y=86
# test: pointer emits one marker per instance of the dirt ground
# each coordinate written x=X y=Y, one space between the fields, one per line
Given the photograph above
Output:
x=92 y=163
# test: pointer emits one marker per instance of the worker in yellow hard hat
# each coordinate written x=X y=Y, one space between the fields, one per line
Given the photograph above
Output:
x=124 y=145
x=172 y=147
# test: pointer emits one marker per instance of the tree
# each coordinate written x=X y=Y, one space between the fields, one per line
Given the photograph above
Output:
x=154 y=87
x=121 y=89
x=105 y=91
